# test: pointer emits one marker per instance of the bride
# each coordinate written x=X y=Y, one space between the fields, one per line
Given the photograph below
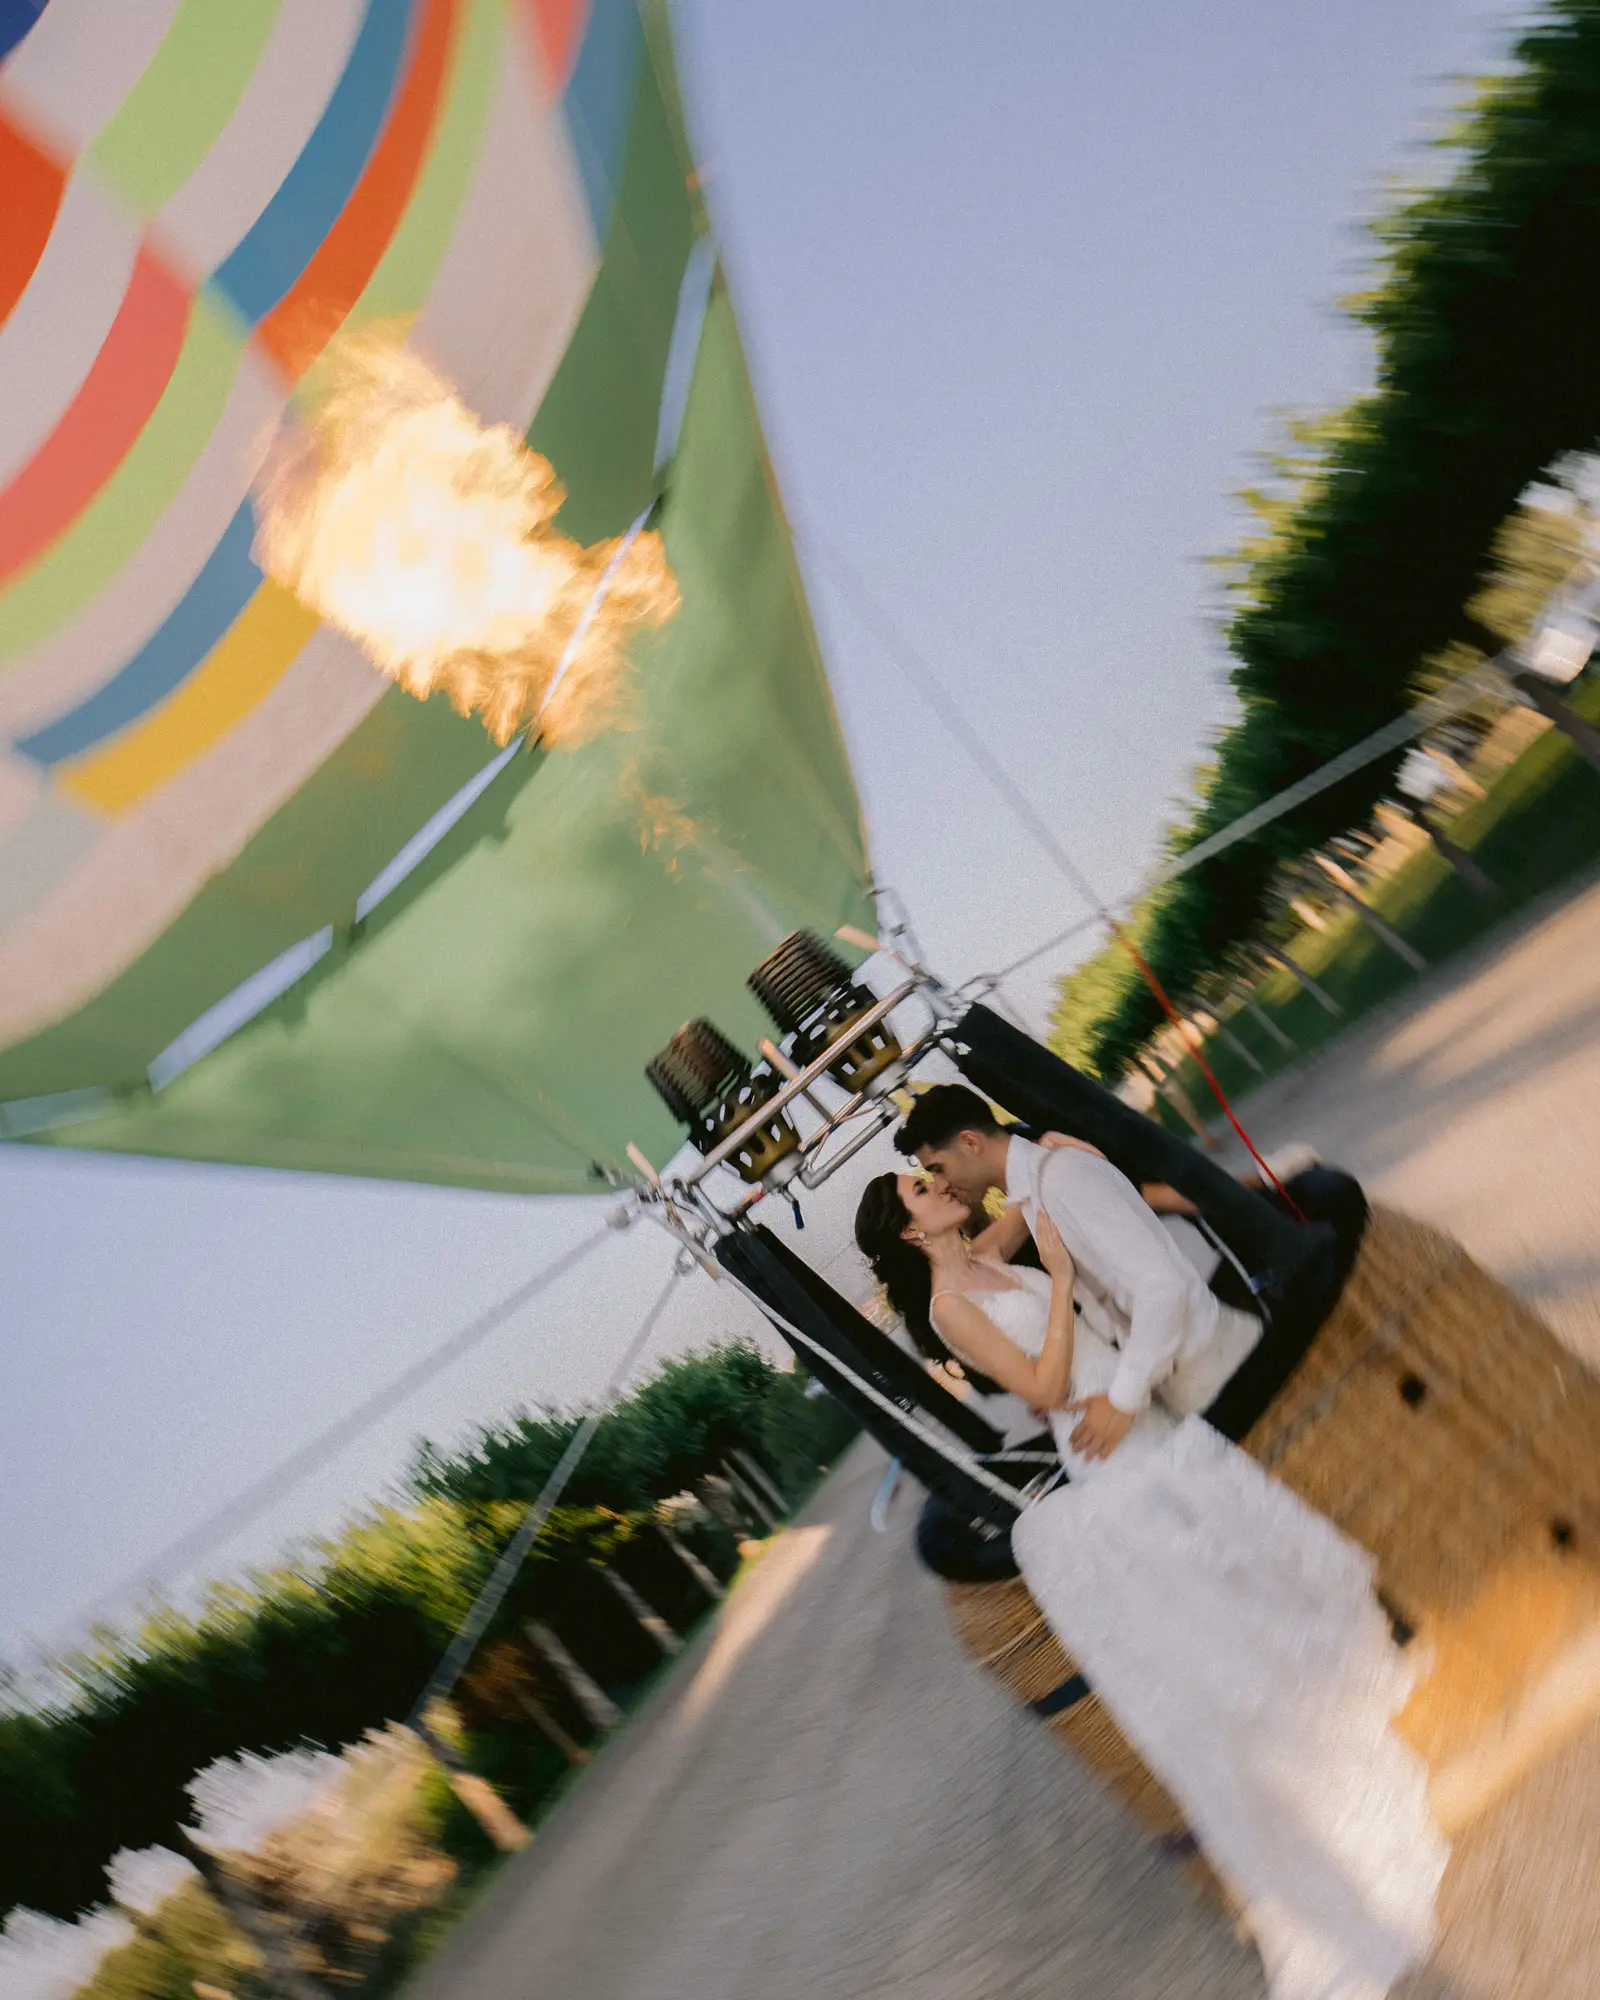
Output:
x=1231 y=1630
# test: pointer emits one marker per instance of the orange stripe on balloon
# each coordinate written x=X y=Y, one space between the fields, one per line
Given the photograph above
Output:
x=31 y=187
x=306 y=319
x=129 y=375
x=557 y=35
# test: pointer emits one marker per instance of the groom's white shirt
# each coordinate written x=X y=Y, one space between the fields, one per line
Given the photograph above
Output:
x=1176 y=1336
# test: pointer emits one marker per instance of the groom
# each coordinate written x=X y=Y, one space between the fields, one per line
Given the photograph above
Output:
x=1177 y=1338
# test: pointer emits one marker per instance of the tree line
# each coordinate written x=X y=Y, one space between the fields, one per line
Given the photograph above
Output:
x=322 y=1652
x=1388 y=528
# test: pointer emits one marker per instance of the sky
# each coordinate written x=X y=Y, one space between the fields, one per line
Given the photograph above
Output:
x=1023 y=285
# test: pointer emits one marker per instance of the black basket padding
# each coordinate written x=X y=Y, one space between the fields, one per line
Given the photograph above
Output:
x=794 y=1292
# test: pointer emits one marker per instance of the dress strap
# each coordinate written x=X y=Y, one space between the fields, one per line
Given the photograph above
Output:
x=952 y=1292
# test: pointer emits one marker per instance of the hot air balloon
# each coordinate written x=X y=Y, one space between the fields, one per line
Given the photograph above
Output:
x=199 y=776
x=284 y=885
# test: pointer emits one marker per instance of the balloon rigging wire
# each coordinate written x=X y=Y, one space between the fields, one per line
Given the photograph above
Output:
x=493 y=1594
x=938 y=698
x=229 y=1520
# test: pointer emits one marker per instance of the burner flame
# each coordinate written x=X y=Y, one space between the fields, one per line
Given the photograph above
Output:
x=428 y=537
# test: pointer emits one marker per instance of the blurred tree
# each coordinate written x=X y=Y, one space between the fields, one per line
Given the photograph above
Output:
x=1534 y=553
x=672 y=1431
x=318 y=1655
x=185 y=1939
x=323 y=1653
x=800 y=1434
x=1095 y=990
x=1387 y=547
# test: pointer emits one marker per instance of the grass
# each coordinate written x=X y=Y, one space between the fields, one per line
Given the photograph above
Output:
x=1537 y=827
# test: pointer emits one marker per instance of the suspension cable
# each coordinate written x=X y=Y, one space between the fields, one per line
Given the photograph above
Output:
x=233 y=1516
x=1469 y=688
x=938 y=698
x=493 y=1594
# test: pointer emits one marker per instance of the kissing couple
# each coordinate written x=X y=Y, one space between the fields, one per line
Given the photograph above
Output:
x=1231 y=1630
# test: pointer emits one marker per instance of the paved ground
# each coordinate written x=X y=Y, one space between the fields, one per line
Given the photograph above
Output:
x=1475 y=1102
x=828 y=1801
x=832 y=1803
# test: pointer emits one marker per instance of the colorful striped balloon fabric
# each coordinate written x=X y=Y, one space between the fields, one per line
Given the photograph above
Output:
x=200 y=195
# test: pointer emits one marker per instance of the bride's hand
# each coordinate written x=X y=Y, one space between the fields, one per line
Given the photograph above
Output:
x=1053 y=1253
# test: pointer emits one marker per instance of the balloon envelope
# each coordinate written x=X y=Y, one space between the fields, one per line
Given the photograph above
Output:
x=196 y=778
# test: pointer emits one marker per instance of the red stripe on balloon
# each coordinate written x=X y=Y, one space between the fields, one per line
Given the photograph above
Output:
x=557 y=35
x=100 y=424
x=31 y=187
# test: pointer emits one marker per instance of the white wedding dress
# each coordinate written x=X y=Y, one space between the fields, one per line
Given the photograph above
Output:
x=1234 y=1635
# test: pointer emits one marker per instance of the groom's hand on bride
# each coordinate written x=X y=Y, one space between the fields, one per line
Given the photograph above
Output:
x=1101 y=1426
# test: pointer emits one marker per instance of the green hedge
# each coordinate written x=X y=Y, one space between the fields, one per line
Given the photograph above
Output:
x=1374 y=561
x=323 y=1654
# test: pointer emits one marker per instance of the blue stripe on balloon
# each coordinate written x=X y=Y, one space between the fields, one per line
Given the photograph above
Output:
x=254 y=278
x=289 y=231
x=208 y=608
x=16 y=18
x=599 y=102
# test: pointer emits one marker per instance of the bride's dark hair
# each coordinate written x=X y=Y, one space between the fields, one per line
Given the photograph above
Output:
x=904 y=1272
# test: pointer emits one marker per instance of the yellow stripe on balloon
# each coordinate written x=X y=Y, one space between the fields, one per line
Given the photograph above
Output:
x=239 y=672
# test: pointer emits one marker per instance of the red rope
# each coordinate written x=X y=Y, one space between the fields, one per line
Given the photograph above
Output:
x=1155 y=986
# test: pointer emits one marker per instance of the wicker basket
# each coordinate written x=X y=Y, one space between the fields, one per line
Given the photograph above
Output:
x=1437 y=1421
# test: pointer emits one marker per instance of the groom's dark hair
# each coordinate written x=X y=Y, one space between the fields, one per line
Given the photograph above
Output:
x=939 y=1114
